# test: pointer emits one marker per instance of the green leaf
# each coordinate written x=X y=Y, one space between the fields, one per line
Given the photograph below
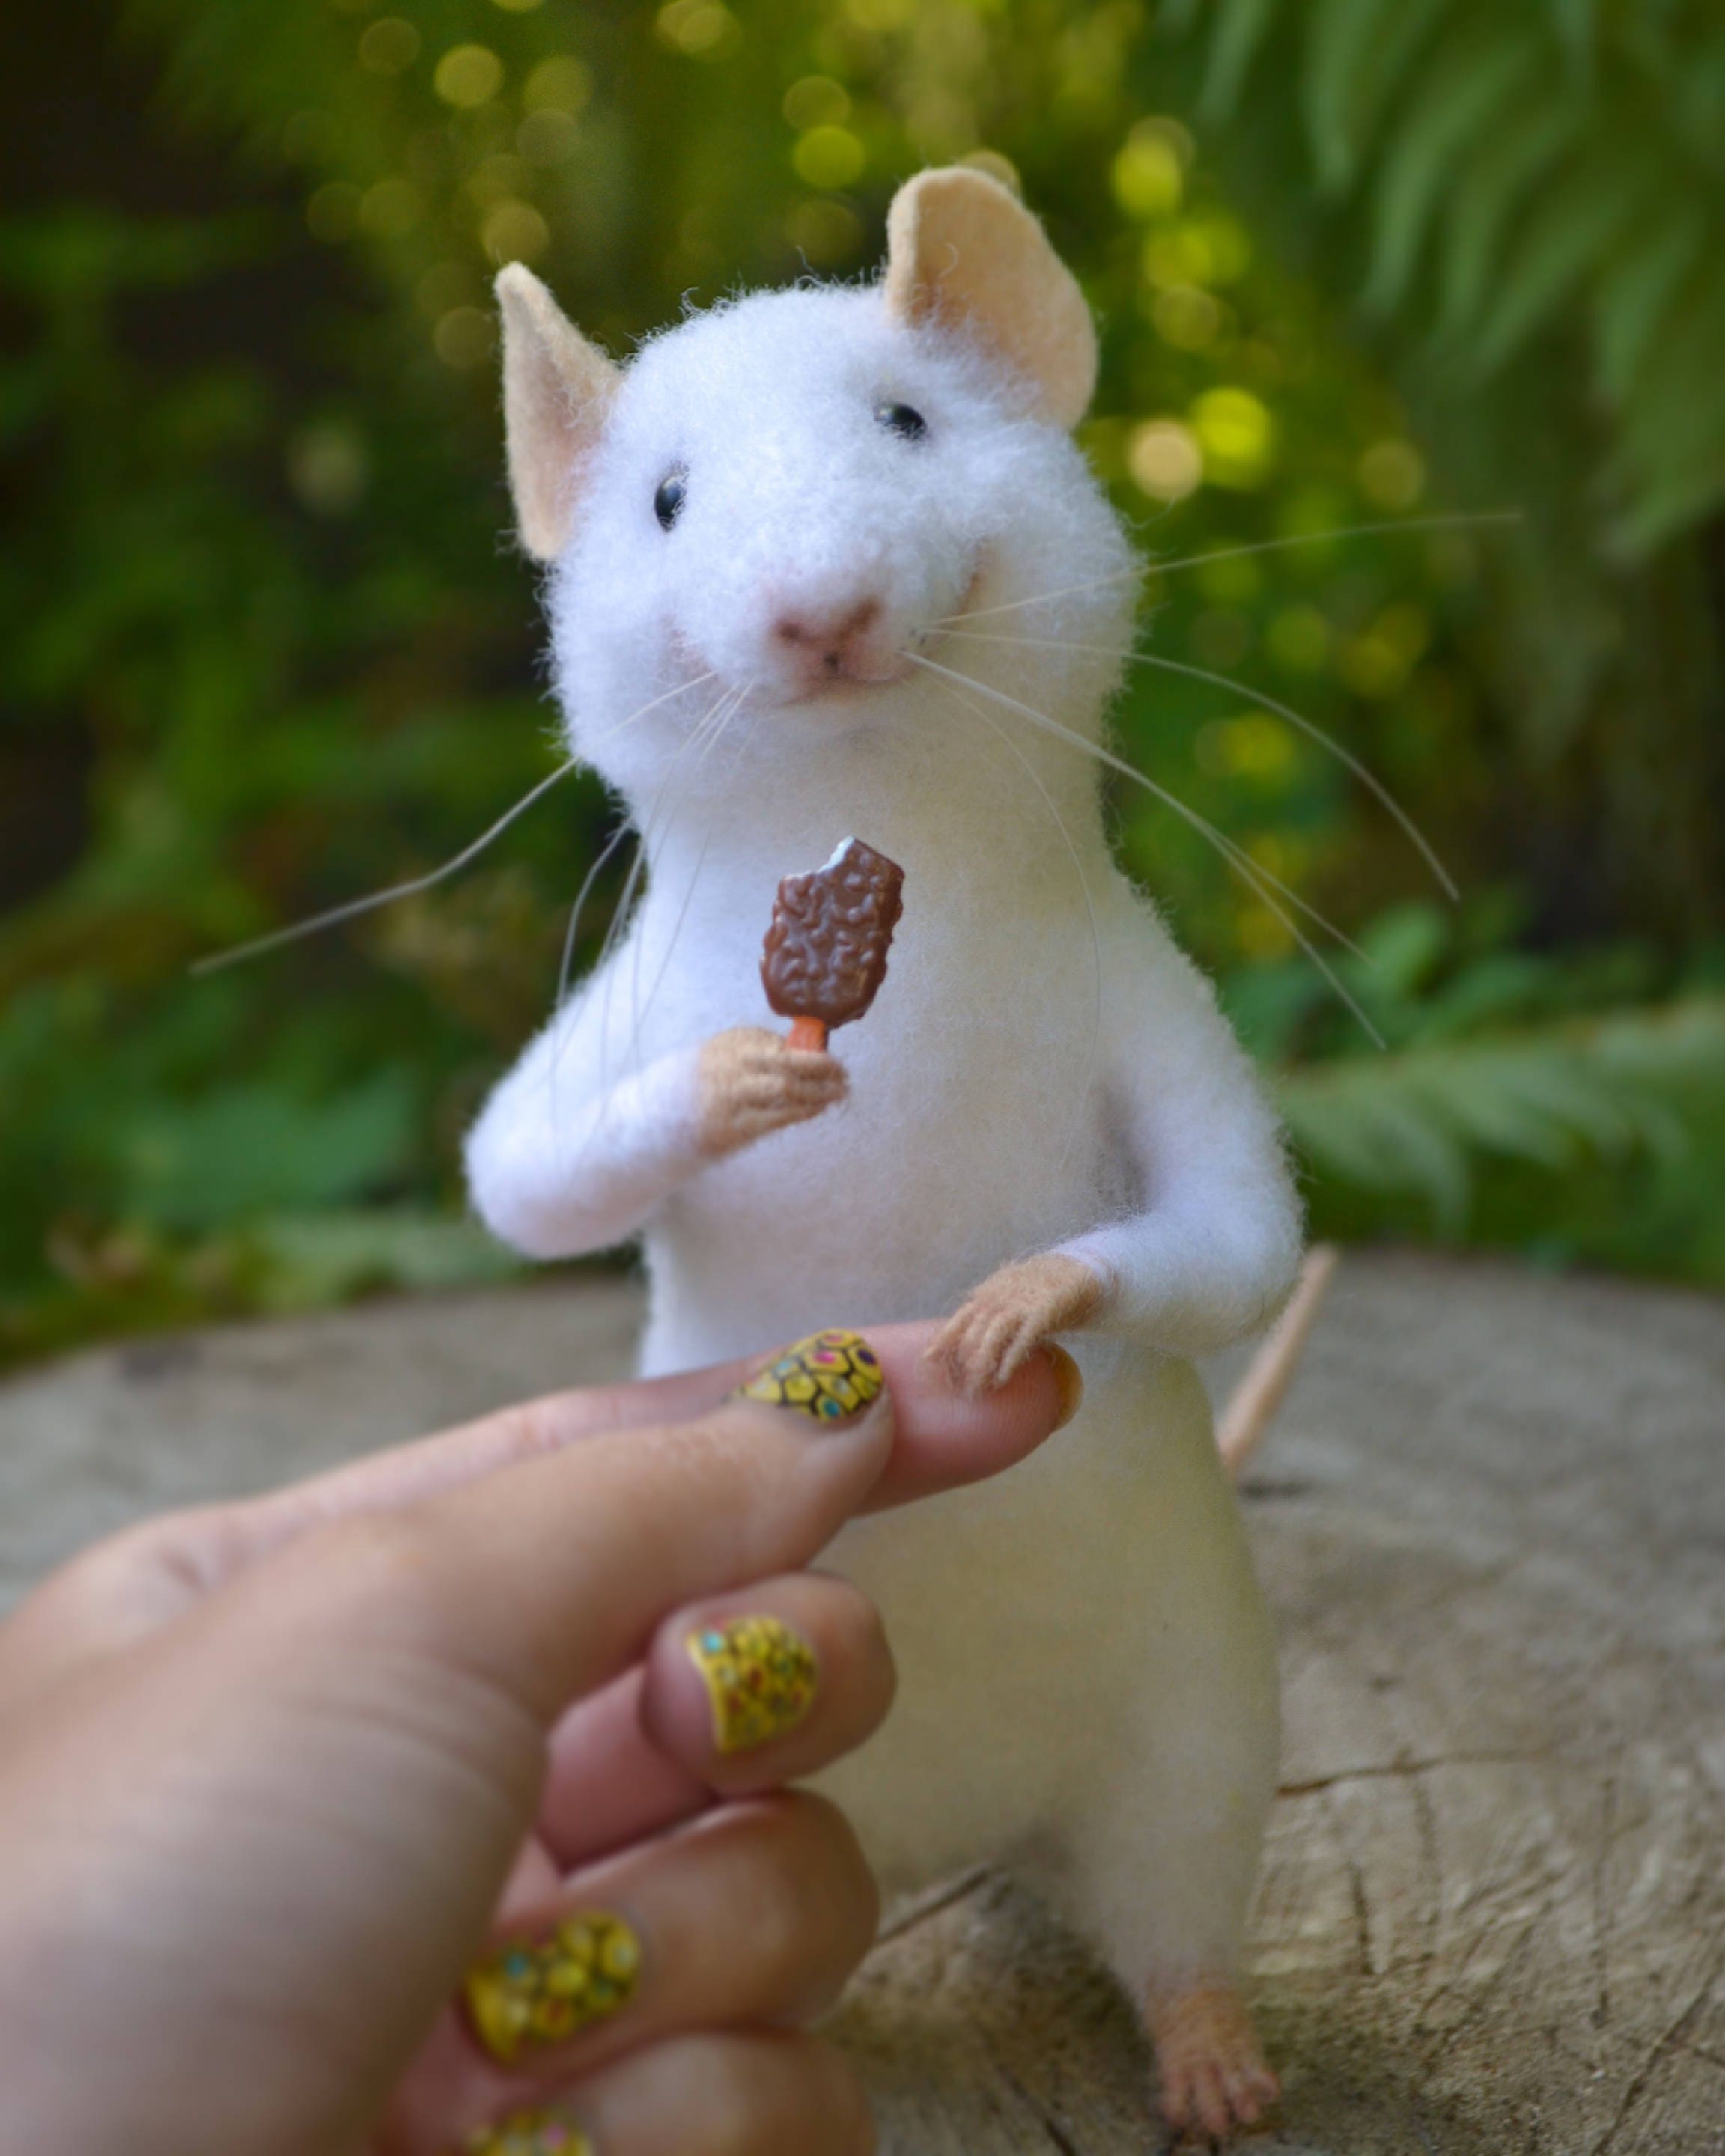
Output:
x=327 y=1256
x=1425 y=1120
x=1670 y=457
x=1239 y=30
x=250 y=1149
x=1633 y=298
x=1357 y=52
x=1561 y=242
x=1475 y=78
x=1495 y=182
x=1405 y=945
x=1575 y=22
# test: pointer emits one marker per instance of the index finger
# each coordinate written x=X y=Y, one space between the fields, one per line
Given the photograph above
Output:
x=154 y=1573
x=546 y=1579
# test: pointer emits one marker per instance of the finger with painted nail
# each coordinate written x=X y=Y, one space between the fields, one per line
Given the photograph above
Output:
x=769 y=1684
x=754 y=1914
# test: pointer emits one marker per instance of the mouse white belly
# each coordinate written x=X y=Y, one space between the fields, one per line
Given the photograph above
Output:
x=975 y=1130
x=1088 y=1680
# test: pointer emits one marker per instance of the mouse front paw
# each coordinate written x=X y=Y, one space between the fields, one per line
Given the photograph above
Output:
x=751 y=1082
x=1014 y=1311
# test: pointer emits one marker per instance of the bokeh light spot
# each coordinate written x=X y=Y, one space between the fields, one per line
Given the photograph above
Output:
x=1148 y=172
x=1251 y=746
x=498 y=179
x=327 y=466
x=817 y=101
x=828 y=158
x=1237 y=435
x=1164 y=460
x=464 y=338
x=388 y=46
x=1187 y=317
x=997 y=167
x=703 y=29
x=1261 y=935
x=514 y=232
x=562 y=84
x=468 y=76
x=391 y=209
x=826 y=231
x=548 y=138
x=443 y=286
x=1392 y=475
x=1213 y=249
x=1377 y=663
x=1299 y=639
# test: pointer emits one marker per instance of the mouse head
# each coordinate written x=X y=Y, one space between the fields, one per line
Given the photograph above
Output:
x=788 y=499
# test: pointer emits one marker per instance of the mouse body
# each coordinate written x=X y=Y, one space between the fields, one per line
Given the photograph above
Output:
x=819 y=560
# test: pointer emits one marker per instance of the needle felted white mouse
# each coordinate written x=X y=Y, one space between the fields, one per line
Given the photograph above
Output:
x=825 y=560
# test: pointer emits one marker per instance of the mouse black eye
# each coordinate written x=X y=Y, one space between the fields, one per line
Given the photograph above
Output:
x=904 y=420
x=667 y=501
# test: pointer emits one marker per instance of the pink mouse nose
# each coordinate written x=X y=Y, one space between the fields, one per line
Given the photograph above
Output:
x=830 y=641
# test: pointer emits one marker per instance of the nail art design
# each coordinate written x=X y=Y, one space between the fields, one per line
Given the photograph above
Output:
x=526 y=1992
x=828 y=1376
x=529 y=2133
x=760 y=1677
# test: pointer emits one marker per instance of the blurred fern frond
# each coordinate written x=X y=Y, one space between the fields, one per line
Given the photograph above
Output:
x=1522 y=203
x=1429 y=1122
x=1516 y=164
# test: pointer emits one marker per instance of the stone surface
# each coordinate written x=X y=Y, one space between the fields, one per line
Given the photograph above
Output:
x=1491 y=1518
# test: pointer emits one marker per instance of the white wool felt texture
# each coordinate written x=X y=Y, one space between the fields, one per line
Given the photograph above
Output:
x=1087 y=1665
x=1034 y=1085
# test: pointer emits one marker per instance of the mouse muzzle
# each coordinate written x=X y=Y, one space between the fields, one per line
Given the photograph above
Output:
x=817 y=644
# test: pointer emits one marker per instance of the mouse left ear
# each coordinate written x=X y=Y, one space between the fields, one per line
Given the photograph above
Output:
x=963 y=250
x=558 y=390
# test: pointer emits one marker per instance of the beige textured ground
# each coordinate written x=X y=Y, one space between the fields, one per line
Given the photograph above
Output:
x=1491 y=1518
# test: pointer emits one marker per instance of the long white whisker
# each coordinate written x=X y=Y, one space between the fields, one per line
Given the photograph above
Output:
x=650 y=826
x=1095 y=940
x=1258 y=880
x=715 y=736
x=576 y=910
x=218 y=960
x=1309 y=727
x=1236 y=553
x=1231 y=850
x=353 y=907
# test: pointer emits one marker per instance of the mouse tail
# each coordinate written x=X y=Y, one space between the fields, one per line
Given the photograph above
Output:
x=1259 y=1393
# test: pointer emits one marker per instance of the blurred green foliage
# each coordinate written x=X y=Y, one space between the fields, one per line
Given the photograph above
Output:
x=266 y=647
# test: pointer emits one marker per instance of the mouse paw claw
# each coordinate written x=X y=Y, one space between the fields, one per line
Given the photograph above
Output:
x=1014 y=1311
x=1213 y=2077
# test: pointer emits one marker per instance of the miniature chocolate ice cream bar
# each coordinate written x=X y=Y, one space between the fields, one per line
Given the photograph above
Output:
x=826 y=954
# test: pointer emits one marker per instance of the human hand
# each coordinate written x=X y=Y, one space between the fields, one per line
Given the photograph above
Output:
x=1015 y=1311
x=751 y=1082
x=275 y=1777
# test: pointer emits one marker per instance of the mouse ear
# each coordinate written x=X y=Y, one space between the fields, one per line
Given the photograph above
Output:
x=558 y=390
x=964 y=251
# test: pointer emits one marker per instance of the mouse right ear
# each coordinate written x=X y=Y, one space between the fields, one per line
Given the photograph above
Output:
x=558 y=390
x=962 y=251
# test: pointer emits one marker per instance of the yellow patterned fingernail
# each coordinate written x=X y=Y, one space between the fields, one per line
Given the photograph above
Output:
x=529 y=2133
x=760 y=1677
x=529 y=1993
x=829 y=1377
